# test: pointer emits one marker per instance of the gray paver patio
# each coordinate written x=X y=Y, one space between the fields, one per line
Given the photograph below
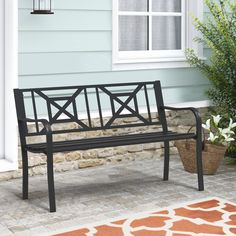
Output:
x=100 y=193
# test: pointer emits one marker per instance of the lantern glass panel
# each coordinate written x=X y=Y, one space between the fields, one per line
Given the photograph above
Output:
x=42 y=7
x=42 y=4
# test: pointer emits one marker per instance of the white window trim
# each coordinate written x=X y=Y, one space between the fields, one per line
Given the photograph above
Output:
x=143 y=60
x=10 y=160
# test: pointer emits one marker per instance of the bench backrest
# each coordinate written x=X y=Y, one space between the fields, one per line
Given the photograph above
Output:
x=65 y=104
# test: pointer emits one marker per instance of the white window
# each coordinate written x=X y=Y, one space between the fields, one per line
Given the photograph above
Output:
x=153 y=33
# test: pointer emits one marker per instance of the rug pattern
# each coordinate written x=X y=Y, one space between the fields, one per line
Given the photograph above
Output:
x=210 y=217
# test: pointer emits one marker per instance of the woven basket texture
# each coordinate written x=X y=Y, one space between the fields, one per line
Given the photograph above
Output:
x=212 y=156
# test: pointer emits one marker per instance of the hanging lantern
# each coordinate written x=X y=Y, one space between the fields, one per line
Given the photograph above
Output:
x=42 y=7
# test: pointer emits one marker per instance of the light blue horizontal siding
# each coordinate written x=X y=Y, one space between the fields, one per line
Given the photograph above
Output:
x=184 y=76
x=73 y=4
x=65 y=41
x=62 y=41
x=64 y=20
x=74 y=47
x=68 y=62
x=180 y=85
x=184 y=94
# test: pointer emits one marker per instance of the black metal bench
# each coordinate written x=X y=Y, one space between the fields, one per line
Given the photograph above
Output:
x=121 y=100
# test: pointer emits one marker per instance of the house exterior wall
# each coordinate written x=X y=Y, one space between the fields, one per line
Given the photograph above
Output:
x=74 y=46
x=2 y=75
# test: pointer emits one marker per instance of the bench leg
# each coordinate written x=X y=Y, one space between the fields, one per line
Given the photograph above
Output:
x=25 y=175
x=51 y=190
x=166 y=160
x=199 y=164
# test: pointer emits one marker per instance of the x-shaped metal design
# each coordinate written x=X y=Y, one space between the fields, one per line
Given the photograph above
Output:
x=124 y=105
x=62 y=109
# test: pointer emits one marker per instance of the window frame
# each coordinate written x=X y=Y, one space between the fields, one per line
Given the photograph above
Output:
x=122 y=60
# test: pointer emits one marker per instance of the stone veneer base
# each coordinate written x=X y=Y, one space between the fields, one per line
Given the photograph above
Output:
x=180 y=121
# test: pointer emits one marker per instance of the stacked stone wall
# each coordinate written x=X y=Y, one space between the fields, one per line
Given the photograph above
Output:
x=177 y=121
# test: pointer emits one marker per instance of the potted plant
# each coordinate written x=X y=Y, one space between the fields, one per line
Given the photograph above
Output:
x=217 y=33
x=217 y=138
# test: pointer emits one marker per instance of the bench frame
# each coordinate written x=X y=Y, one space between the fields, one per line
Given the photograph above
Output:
x=48 y=131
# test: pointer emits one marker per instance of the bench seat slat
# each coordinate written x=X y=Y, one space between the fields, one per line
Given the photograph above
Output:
x=109 y=141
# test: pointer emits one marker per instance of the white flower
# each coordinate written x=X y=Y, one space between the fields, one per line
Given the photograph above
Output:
x=225 y=131
x=228 y=138
x=212 y=137
x=207 y=126
x=219 y=135
x=231 y=124
x=216 y=119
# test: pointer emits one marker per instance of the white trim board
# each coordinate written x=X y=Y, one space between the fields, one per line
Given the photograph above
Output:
x=196 y=104
x=6 y=165
x=10 y=160
x=2 y=72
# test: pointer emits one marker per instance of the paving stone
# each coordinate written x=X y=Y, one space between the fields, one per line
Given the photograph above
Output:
x=17 y=228
x=5 y=231
x=102 y=192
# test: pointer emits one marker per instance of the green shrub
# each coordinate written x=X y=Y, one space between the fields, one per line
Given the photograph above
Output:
x=219 y=34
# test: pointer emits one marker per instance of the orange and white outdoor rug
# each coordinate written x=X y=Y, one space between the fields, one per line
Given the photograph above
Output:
x=206 y=217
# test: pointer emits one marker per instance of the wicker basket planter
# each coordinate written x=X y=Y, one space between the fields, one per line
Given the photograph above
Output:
x=212 y=156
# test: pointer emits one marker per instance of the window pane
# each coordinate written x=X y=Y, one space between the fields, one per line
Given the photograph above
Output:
x=166 y=5
x=166 y=33
x=133 y=33
x=133 y=5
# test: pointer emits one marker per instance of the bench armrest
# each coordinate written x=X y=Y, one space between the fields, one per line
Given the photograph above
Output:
x=48 y=132
x=44 y=122
x=194 y=111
